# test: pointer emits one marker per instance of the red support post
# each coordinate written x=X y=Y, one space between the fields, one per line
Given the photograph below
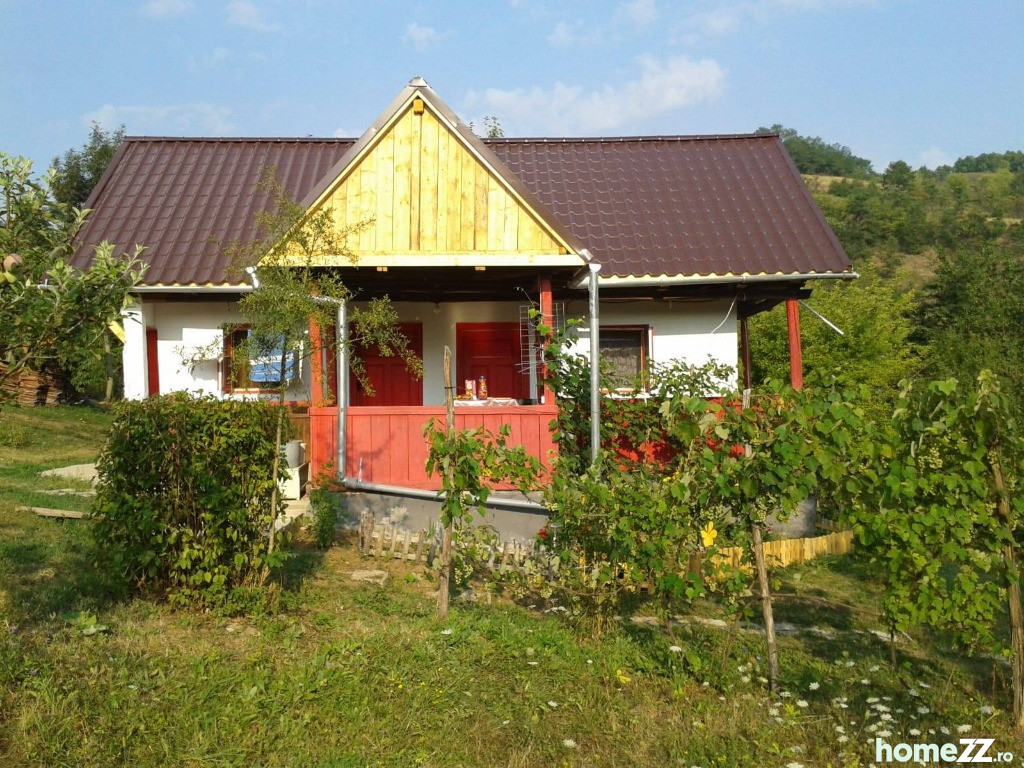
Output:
x=316 y=367
x=547 y=313
x=796 y=355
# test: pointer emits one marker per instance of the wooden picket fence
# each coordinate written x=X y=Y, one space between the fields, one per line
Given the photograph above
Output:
x=783 y=552
x=384 y=540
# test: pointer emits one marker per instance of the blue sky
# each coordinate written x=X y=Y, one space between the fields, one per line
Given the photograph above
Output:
x=924 y=82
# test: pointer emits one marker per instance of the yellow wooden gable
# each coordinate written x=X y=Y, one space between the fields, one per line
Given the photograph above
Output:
x=417 y=192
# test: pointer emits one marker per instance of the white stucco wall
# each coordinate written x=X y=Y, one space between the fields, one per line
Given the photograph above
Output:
x=691 y=331
x=687 y=331
x=190 y=344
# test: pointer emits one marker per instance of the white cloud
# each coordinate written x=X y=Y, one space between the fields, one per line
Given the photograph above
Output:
x=170 y=119
x=561 y=36
x=346 y=133
x=422 y=38
x=662 y=86
x=244 y=14
x=933 y=157
x=162 y=9
x=640 y=13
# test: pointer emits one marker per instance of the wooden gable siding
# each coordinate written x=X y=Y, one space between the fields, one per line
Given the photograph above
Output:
x=419 y=190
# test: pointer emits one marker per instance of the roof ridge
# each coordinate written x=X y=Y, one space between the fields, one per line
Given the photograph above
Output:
x=485 y=140
x=620 y=139
x=244 y=139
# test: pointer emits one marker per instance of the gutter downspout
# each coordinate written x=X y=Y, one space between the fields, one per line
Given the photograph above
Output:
x=341 y=358
x=595 y=365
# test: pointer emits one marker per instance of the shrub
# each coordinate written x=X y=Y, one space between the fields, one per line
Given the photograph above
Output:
x=184 y=499
x=325 y=505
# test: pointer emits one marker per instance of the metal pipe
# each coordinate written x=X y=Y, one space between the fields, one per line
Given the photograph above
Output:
x=595 y=365
x=627 y=281
x=821 y=317
x=419 y=493
x=341 y=358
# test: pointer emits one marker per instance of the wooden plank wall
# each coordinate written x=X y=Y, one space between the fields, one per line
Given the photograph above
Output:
x=420 y=190
x=386 y=444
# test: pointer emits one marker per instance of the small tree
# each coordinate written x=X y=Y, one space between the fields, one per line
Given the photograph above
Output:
x=52 y=314
x=78 y=171
x=468 y=461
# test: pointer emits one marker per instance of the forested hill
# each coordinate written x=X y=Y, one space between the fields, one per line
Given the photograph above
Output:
x=942 y=257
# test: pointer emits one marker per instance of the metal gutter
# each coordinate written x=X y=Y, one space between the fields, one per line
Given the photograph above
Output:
x=192 y=289
x=664 y=281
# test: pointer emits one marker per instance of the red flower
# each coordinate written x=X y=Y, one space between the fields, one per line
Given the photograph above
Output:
x=542 y=533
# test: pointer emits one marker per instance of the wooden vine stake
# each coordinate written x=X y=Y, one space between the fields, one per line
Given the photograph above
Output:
x=1013 y=595
x=757 y=544
x=444 y=583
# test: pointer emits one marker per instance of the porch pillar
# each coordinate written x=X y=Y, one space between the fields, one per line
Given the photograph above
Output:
x=796 y=355
x=745 y=352
x=136 y=379
x=316 y=364
x=547 y=313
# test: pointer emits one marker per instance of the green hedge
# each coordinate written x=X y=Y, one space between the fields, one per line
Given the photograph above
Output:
x=184 y=499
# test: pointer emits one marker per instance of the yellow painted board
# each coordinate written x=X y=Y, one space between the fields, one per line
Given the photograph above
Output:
x=480 y=213
x=453 y=234
x=428 y=182
x=416 y=163
x=510 y=230
x=495 y=238
x=467 y=214
x=385 y=192
x=401 y=226
x=367 y=204
x=443 y=187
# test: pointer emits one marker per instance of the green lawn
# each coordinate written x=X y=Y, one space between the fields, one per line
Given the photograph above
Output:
x=350 y=675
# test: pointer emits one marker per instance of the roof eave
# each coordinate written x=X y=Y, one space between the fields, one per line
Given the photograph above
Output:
x=659 y=281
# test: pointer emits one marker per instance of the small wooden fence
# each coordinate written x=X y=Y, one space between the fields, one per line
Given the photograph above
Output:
x=384 y=540
x=783 y=552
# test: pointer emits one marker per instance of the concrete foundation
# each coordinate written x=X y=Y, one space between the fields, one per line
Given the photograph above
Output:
x=419 y=514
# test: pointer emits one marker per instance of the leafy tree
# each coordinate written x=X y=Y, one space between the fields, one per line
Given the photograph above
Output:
x=876 y=350
x=52 y=314
x=898 y=175
x=972 y=315
x=78 y=171
x=813 y=155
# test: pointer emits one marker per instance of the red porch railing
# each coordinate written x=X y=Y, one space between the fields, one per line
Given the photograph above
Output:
x=386 y=444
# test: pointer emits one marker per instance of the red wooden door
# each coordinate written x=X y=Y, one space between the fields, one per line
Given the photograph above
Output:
x=392 y=382
x=152 y=362
x=492 y=350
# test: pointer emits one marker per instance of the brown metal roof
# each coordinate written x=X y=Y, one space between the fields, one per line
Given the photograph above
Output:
x=714 y=205
x=650 y=206
x=186 y=200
